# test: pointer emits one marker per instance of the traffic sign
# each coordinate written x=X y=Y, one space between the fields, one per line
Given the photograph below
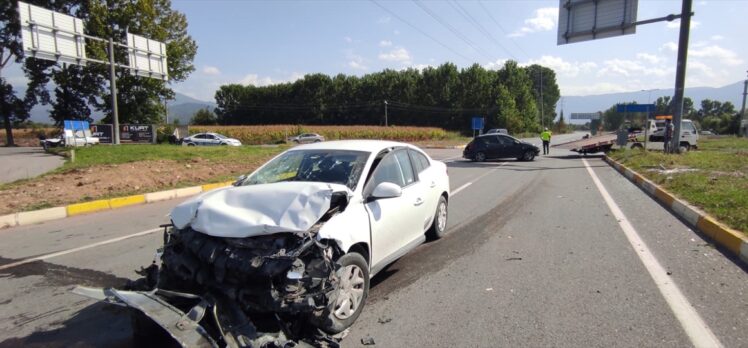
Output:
x=477 y=123
x=635 y=107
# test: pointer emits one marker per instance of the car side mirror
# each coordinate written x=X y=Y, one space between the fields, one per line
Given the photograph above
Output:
x=386 y=190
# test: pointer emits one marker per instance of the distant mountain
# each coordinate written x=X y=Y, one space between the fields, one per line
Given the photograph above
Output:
x=594 y=103
x=182 y=108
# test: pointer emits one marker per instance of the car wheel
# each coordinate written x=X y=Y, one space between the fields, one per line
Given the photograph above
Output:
x=190 y=144
x=348 y=300
x=317 y=140
x=439 y=226
x=479 y=157
x=528 y=156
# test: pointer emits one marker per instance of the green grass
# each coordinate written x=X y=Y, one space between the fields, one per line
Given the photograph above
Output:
x=719 y=187
x=105 y=155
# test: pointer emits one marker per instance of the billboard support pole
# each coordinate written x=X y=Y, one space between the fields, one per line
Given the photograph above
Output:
x=680 y=73
x=113 y=86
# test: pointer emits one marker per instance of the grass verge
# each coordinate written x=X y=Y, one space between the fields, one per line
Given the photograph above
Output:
x=714 y=178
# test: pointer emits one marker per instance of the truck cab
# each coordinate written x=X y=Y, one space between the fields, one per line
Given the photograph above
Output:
x=689 y=136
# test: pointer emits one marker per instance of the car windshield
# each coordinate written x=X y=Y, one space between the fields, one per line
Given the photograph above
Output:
x=331 y=166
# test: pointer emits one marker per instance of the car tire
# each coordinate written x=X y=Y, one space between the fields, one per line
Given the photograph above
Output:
x=479 y=157
x=354 y=275
x=439 y=225
x=317 y=140
x=528 y=156
x=190 y=144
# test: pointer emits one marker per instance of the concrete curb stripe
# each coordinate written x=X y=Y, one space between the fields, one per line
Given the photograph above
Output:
x=9 y=220
x=37 y=216
x=720 y=233
x=88 y=207
x=208 y=187
x=160 y=196
x=119 y=202
x=723 y=235
x=188 y=191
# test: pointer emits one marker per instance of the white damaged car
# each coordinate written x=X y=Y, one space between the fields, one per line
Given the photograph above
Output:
x=292 y=244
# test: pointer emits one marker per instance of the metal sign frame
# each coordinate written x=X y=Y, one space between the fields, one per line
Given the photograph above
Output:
x=583 y=20
x=147 y=57
x=585 y=115
x=51 y=35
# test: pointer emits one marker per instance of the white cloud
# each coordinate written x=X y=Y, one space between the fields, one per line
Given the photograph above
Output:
x=544 y=20
x=348 y=39
x=385 y=43
x=676 y=24
x=357 y=63
x=398 y=54
x=396 y=32
x=562 y=67
x=632 y=68
x=211 y=70
x=495 y=65
x=255 y=80
x=596 y=88
x=670 y=46
x=717 y=37
x=649 y=58
x=714 y=52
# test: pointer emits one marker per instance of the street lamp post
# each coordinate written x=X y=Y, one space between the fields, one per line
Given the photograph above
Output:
x=385 y=113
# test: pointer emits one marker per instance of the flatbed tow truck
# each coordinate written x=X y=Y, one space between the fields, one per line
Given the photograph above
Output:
x=599 y=143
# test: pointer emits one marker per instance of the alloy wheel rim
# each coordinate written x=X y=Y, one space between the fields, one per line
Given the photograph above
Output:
x=350 y=292
x=442 y=217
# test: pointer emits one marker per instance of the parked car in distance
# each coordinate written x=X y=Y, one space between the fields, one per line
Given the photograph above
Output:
x=497 y=131
x=495 y=146
x=68 y=137
x=306 y=138
x=210 y=139
x=706 y=132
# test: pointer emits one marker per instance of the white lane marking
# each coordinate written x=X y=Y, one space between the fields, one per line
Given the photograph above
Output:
x=457 y=190
x=696 y=329
x=70 y=251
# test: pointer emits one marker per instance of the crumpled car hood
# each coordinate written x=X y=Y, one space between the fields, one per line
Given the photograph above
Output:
x=255 y=210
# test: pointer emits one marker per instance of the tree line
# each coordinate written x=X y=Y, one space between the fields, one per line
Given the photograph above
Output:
x=78 y=90
x=712 y=115
x=442 y=96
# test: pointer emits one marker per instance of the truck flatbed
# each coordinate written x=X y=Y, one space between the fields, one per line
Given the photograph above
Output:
x=599 y=143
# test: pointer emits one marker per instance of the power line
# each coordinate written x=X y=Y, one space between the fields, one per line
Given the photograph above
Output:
x=465 y=14
x=502 y=28
x=452 y=29
x=421 y=31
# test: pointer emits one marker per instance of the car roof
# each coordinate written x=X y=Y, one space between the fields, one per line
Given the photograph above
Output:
x=355 y=145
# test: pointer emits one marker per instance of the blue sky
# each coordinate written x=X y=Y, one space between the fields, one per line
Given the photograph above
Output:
x=265 y=42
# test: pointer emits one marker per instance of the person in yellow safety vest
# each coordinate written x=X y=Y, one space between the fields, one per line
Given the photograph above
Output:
x=546 y=138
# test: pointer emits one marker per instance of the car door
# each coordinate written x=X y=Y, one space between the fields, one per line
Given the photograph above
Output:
x=395 y=222
x=491 y=144
x=428 y=178
x=509 y=148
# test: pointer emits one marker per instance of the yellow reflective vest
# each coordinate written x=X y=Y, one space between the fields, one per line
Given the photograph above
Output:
x=545 y=136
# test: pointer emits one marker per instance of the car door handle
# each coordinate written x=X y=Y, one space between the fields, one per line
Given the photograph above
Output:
x=418 y=202
x=433 y=184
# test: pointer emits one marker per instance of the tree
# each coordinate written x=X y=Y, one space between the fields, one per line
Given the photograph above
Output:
x=12 y=108
x=204 y=117
x=544 y=79
x=561 y=124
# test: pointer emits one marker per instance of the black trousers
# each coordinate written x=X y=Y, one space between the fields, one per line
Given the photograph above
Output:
x=545 y=146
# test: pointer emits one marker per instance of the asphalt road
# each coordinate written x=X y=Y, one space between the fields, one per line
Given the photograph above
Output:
x=25 y=162
x=535 y=256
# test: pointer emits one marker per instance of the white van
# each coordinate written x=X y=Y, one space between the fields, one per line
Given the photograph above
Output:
x=689 y=136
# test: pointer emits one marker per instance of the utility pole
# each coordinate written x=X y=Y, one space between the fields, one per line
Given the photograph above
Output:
x=385 y=113
x=680 y=73
x=745 y=93
x=542 y=123
x=113 y=86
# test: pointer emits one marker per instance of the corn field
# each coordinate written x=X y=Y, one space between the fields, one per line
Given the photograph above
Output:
x=273 y=134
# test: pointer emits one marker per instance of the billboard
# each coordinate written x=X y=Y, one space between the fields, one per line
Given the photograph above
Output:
x=147 y=57
x=137 y=133
x=50 y=35
x=103 y=132
x=584 y=20
x=585 y=115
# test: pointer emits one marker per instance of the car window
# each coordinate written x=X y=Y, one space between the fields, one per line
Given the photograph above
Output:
x=490 y=140
x=419 y=160
x=210 y=137
x=408 y=176
x=200 y=136
x=505 y=140
x=388 y=170
x=330 y=166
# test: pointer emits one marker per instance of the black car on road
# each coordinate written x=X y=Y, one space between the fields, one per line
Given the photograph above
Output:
x=495 y=146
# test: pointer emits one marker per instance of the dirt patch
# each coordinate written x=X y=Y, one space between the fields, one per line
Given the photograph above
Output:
x=107 y=181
